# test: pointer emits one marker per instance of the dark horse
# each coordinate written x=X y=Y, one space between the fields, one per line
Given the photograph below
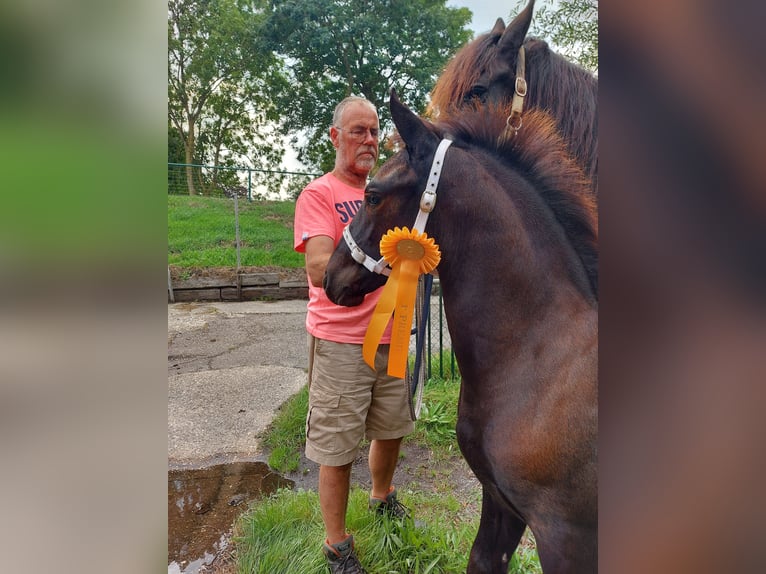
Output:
x=485 y=70
x=518 y=273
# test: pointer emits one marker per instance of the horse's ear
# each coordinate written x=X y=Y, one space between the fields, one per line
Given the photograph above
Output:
x=514 y=34
x=414 y=131
x=499 y=27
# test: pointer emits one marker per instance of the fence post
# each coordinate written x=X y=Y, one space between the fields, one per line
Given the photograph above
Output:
x=236 y=226
x=441 y=336
x=170 y=288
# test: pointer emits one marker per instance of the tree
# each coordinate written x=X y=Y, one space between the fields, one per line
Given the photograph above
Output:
x=570 y=26
x=176 y=153
x=336 y=48
x=219 y=76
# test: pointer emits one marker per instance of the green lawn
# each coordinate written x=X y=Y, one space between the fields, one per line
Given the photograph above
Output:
x=201 y=232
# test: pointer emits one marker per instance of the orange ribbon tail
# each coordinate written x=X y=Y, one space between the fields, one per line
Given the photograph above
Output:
x=409 y=253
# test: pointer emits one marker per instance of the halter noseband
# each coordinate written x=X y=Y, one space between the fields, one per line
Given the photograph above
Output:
x=427 y=204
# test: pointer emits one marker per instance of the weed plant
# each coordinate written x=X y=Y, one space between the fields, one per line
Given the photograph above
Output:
x=435 y=426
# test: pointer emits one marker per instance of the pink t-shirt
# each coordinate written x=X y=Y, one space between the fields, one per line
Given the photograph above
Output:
x=325 y=207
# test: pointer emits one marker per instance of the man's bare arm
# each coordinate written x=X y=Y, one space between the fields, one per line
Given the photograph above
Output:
x=318 y=251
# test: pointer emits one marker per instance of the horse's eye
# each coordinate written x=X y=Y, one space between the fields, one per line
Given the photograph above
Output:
x=373 y=199
x=476 y=91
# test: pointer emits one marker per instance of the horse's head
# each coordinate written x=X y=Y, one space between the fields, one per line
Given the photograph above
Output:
x=485 y=69
x=391 y=200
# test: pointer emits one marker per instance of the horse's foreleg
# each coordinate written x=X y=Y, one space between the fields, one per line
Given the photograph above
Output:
x=498 y=536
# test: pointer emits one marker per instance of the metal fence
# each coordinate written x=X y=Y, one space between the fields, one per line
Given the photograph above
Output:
x=440 y=358
x=234 y=181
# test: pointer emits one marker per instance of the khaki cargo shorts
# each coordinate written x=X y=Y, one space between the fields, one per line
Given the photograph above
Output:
x=348 y=401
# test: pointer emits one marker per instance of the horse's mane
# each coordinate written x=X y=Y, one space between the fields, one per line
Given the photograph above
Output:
x=566 y=90
x=460 y=74
x=570 y=94
x=539 y=152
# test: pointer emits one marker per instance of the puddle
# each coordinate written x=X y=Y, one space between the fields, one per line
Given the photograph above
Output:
x=204 y=503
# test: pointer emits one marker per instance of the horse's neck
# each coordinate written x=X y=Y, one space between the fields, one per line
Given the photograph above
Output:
x=503 y=331
x=499 y=281
x=492 y=256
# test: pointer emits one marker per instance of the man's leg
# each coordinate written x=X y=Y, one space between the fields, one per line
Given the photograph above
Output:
x=334 y=484
x=384 y=454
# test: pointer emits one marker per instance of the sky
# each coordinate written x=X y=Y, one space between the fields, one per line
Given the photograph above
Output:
x=485 y=12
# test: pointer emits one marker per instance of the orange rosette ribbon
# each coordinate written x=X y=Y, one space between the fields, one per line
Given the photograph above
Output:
x=409 y=253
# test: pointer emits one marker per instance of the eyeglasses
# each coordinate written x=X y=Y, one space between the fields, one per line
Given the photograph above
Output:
x=360 y=134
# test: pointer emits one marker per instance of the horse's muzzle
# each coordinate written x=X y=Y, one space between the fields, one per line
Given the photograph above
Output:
x=341 y=293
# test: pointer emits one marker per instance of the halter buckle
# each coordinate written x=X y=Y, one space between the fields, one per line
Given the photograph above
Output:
x=521 y=87
x=358 y=255
x=428 y=201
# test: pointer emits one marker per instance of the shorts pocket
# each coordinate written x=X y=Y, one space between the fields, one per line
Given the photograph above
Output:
x=323 y=423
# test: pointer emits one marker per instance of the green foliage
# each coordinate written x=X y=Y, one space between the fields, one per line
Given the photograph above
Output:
x=176 y=153
x=336 y=49
x=438 y=417
x=201 y=233
x=283 y=535
x=570 y=26
x=219 y=83
x=438 y=421
x=525 y=560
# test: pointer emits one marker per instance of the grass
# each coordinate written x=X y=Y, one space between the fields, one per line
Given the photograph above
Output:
x=438 y=416
x=285 y=436
x=201 y=233
x=282 y=534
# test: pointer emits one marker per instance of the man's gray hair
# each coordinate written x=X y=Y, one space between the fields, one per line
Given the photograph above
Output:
x=345 y=103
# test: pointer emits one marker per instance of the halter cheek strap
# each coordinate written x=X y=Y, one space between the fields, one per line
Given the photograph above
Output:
x=513 y=122
x=427 y=204
x=428 y=199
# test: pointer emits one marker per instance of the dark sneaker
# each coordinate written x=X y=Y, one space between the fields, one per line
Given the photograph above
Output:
x=341 y=558
x=390 y=506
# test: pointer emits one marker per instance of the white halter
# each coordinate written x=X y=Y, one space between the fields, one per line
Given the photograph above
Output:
x=427 y=204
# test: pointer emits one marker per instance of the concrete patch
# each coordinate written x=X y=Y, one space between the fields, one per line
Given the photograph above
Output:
x=213 y=413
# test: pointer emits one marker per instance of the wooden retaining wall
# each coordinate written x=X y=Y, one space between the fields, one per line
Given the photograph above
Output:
x=242 y=287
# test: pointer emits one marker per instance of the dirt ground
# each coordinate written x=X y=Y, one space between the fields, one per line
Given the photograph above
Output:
x=417 y=471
